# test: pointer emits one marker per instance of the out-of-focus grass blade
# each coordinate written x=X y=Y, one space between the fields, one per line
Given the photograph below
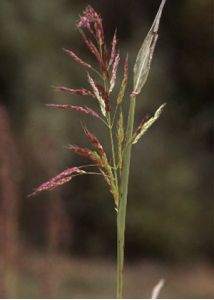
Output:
x=144 y=57
x=156 y=290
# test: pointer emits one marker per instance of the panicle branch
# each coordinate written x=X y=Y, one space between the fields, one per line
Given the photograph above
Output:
x=77 y=58
x=95 y=142
x=124 y=82
x=113 y=49
x=81 y=91
x=84 y=109
x=97 y=95
x=146 y=124
x=58 y=180
x=114 y=72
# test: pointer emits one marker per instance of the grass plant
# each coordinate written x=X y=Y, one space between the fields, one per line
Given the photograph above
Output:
x=114 y=167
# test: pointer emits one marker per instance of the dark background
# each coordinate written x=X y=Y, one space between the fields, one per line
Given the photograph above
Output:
x=170 y=207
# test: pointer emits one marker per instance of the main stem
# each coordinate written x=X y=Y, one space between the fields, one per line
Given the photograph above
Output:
x=113 y=151
x=121 y=215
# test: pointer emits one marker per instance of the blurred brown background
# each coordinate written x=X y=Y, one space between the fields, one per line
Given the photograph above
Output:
x=63 y=243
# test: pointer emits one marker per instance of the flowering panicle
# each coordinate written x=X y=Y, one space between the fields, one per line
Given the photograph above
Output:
x=91 y=29
x=58 y=180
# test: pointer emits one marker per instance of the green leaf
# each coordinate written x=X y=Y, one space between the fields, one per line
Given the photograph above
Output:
x=144 y=57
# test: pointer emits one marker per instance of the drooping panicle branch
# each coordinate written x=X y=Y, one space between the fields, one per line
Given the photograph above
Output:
x=84 y=109
x=58 y=180
x=81 y=91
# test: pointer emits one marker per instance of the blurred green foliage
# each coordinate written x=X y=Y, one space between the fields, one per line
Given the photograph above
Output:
x=170 y=208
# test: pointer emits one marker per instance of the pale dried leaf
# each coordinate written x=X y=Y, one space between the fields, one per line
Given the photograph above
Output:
x=144 y=57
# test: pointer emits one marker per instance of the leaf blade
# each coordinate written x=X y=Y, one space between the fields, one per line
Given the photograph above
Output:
x=145 y=54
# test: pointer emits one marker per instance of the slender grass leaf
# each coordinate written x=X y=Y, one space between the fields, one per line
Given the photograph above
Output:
x=144 y=57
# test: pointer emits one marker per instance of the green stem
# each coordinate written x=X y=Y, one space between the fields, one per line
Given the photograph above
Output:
x=113 y=152
x=121 y=216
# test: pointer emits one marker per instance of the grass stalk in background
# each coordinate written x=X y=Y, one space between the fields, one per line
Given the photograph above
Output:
x=9 y=208
x=114 y=167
